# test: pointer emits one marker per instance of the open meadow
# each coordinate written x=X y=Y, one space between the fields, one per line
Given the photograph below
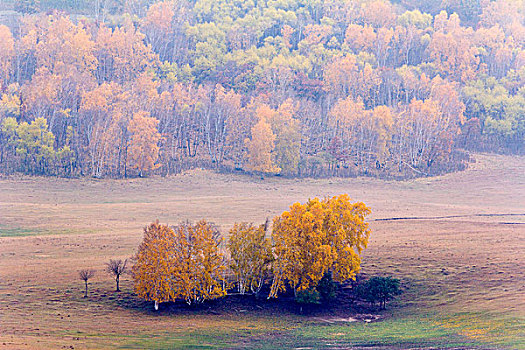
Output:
x=456 y=242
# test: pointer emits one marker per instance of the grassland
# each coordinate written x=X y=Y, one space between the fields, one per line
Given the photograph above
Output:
x=456 y=241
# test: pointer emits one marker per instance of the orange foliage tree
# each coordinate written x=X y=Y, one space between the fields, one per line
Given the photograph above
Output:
x=261 y=145
x=155 y=265
x=7 y=53
x=101 y=116
x=143 y=145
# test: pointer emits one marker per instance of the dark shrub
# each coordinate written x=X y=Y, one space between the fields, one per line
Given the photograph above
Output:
x=309 y=296
x=327 y=288
x=379 y=289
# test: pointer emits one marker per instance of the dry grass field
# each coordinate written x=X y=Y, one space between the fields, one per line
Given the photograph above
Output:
x=457 y=242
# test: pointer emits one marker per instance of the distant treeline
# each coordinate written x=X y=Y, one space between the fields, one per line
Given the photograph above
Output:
x=293 y=87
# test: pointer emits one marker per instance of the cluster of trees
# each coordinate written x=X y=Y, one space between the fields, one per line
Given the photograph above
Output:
x=297 y=87
x=311 y=244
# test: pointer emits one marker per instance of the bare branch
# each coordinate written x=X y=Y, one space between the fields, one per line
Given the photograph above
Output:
x=86 y=274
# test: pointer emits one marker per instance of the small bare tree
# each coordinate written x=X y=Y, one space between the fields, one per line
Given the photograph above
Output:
x=85 y=275
x=116 y=268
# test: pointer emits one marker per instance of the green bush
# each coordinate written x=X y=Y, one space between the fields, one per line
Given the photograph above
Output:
x=308 y=296
x=325 y=292
x=379 y=289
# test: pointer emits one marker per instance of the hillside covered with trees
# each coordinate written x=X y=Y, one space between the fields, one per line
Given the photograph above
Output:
x=116 y=88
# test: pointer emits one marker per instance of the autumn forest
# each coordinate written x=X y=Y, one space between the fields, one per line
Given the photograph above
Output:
x=125 y=88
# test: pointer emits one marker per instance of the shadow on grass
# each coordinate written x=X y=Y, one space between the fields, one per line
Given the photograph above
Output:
x=244 y=322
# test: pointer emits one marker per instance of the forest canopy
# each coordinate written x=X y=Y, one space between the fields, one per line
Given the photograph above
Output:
x=116 y=88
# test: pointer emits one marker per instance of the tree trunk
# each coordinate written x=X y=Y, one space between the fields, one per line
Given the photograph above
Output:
x=118 y=279
x=156 y=305
x=86 y=291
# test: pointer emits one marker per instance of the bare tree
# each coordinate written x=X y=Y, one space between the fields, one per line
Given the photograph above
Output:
x=85 y=275
x=116 y=268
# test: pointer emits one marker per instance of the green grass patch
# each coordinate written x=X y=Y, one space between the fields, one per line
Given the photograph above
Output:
x=459 y=330
x=190 y=340
x=405 y=331
x=19 y=232
x=176 y=339
x=489 y=328
x=468 y=330
x=25 y=232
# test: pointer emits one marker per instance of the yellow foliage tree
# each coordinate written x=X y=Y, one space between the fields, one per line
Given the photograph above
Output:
x=201 y=266
x=260 y=147
x=321 y=236
x=10 y=103
x=180 y=263
x=251 y=255
x=380 y=131
x=347 y=233
x=288 y=138
x=144 y=144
